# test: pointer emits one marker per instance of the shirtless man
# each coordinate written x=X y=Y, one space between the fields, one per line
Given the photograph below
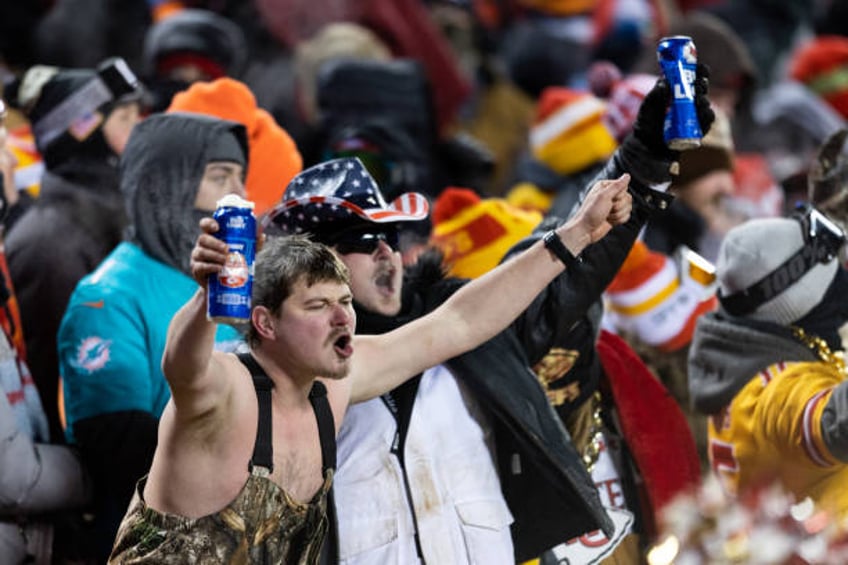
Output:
x=205 y=497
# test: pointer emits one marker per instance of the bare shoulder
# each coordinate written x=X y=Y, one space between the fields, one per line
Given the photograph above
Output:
x=338 y=395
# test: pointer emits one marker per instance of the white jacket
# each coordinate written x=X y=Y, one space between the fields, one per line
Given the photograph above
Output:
x=454 y=487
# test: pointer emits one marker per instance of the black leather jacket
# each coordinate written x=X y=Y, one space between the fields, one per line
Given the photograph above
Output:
x=549 y=492
x=552 y=497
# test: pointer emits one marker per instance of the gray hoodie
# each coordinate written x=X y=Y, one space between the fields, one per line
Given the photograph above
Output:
x=160 y=179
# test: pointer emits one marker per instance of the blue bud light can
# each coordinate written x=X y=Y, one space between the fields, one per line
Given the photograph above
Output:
x=229 y=290
x=677 y=57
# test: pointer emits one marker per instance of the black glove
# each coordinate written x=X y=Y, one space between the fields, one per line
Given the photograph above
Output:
x=703 y=110
x=648 y=127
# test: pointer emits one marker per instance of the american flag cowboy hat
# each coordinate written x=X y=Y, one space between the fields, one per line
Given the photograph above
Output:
x=340 y=190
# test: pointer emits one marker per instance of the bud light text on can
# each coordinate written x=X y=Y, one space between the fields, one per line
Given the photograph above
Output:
x=677 y=57
x=229 y=291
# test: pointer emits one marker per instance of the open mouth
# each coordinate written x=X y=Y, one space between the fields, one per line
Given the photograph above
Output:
x=343 y=345
x=385 y=281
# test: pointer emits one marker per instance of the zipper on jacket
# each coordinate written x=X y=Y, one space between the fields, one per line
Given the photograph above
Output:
x=400 y=403
x=407 y=491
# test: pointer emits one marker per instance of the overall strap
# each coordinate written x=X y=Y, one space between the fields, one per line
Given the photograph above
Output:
x=263 y=452
x=326 y=424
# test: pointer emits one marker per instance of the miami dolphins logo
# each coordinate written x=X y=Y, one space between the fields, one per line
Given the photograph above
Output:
x=93 y=353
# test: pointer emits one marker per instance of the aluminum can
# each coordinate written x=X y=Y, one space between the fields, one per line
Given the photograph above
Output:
x=229 y=290
x=677 y=57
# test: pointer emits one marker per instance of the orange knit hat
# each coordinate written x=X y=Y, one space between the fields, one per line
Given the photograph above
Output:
x=658 y=299
x=274 y=158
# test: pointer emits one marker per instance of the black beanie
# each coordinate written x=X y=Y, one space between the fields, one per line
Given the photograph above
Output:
x=226 y=148
x=86 y=139
x=61 y=85
x=44 y=89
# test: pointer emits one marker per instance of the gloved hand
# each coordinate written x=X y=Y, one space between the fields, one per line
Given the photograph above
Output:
x=648 y=127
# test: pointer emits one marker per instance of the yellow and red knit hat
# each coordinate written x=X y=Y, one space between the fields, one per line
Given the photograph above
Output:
x=474 y=233
x=658 y=299
x=274 y=158
x=528 y=196
x=569 y=134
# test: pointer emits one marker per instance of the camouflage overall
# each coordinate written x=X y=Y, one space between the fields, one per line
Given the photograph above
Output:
x=262 y=525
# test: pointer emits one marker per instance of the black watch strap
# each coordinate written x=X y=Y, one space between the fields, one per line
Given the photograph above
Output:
x=560 y=251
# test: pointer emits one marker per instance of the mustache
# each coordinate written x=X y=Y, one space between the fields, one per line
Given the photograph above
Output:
x=337 y=334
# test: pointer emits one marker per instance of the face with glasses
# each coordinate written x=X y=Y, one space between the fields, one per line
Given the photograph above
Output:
x=371 y=254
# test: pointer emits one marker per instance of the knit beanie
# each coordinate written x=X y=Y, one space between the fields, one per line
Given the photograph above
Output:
x=714 y=154
x=528 y=196
x=625 y=98
x=756 y=249
x=568 y=133
x=68 y=107
x=274 y=157
x=822 y=66
x=658 y=298
x=473 y=233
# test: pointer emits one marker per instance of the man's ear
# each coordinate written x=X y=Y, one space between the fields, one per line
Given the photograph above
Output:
x=263 y=321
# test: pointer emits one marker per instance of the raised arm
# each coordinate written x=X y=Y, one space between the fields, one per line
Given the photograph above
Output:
x=189 y=362
x=486 y=305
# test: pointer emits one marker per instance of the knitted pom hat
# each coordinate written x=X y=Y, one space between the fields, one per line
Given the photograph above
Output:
x=274 y=158
x=475 y=234
x=658 y=299
x=625 y=97
x=568 y=134
x=758 y=248
x=528 y=196
x=822 y=65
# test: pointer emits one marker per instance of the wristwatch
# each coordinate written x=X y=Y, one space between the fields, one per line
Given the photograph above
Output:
x=560 y=251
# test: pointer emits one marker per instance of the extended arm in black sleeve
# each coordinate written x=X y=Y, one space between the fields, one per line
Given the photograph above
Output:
x=645 y=157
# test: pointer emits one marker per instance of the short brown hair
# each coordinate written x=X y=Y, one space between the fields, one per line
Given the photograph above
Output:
x=282 y=262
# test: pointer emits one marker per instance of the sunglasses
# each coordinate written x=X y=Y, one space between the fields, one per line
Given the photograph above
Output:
x=365 y=241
